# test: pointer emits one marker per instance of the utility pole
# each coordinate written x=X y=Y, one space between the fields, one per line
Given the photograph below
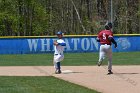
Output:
x=111 y=13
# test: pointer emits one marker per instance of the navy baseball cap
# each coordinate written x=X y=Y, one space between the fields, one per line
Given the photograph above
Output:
x=108 y=25
x=59 y=33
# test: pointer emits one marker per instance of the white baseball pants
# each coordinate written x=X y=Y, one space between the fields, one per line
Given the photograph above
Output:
x=106 y=50
x=57 y=58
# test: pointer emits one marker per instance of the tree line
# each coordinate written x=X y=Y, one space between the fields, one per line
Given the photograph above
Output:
x=73 y=17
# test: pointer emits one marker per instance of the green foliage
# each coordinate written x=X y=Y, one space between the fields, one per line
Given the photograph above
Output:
x=22 y=17
x=45 y=17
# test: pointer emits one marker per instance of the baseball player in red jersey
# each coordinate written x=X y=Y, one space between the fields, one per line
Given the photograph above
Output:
x=105 y=37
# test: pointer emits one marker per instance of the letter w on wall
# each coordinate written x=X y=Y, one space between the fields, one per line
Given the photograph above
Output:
x=32 y=44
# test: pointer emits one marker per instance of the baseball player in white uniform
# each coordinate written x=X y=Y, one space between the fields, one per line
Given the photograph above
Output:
x=59 y=46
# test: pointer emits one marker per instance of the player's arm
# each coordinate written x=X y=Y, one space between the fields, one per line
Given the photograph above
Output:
x=98 y=39
x=55 y=43
x=113 y=41
x=62 y=44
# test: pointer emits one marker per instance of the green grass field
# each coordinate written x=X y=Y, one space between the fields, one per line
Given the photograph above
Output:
x=71 y=59
x=52 y=84
x=39 y=85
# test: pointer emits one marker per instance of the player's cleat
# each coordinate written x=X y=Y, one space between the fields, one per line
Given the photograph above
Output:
x=58 y=72
x=99 y=63
x=109 y=72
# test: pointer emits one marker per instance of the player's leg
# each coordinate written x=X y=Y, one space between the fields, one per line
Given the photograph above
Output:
x=109 y=54
x=58 y=70
x=54 y=62
x=101 y=55
x=58 y=63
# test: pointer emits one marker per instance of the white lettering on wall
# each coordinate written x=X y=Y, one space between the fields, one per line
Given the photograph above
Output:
x=85 y=44
x=52 y=44
x=67 y=45
x=75 y=42
x=94 y=43
x=32 y=44
x=45 y=45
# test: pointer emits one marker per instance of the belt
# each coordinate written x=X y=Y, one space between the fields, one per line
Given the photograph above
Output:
x=57 y=54
x=106 y=44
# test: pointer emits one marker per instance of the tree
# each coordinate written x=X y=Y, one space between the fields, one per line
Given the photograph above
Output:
x=45 y=17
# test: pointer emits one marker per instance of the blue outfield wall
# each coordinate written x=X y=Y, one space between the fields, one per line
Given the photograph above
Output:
x=28 y=45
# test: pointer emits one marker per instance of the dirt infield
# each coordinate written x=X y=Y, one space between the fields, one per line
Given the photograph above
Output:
x=126 y=79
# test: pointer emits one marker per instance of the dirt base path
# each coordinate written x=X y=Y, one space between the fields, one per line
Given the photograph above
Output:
x=126 y=79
